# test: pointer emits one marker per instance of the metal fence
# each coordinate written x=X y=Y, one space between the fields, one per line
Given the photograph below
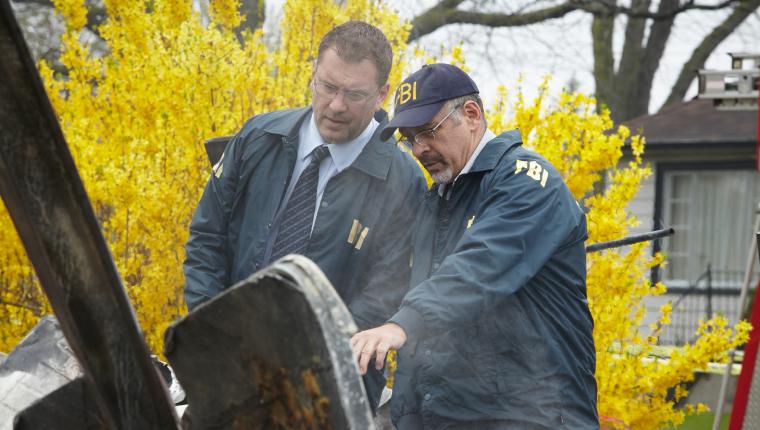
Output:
x=715 y=292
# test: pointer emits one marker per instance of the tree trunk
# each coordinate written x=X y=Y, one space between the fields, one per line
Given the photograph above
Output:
x=659 y=34
x=604 y=61
x=253 y=16
x=627 y=85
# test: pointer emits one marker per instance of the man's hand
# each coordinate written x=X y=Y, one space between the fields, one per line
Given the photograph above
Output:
x=375 y=343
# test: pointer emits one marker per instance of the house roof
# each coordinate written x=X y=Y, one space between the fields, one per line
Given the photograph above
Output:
x=696 y=122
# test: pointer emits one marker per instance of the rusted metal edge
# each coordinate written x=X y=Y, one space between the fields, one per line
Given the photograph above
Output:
x=286 y=316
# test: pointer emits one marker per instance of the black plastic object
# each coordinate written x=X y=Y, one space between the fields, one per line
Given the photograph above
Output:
x=215 y=148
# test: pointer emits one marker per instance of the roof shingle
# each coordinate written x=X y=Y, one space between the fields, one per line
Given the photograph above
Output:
x=696 y=122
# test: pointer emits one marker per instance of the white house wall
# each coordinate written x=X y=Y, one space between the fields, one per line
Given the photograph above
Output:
x=642 y=205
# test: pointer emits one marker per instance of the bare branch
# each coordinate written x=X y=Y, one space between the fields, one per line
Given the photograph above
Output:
x=445 y=12
x=594 y=6
x=36 y=310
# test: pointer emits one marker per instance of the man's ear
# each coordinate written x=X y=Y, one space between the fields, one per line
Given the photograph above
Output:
x=382 y=94
x=472 y=112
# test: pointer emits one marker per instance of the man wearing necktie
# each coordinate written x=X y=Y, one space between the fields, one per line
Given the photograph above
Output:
x=316 y=181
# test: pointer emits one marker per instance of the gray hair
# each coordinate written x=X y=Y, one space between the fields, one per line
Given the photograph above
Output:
x=461 y=100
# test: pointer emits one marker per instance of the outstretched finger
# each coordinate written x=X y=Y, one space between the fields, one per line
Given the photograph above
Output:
x=367 y=352
x=382 y=351
x=357 y=344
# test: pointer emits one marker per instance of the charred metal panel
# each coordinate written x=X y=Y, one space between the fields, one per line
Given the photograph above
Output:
x=53 y=216
x=271 y=352
x=71 y=407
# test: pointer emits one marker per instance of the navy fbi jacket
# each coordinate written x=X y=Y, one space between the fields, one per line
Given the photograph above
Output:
x=498 y=323
x=361 y=237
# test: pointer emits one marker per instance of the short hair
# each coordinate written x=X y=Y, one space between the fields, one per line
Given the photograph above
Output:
x=460 y=101
x=355 y=41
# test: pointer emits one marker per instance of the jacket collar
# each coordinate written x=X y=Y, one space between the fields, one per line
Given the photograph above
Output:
x=286 y=122
x=486 y=160
x=374 y=160
x=493 y=151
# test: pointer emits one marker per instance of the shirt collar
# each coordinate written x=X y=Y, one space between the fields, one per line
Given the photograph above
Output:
x=487 y=137
x=342 y=155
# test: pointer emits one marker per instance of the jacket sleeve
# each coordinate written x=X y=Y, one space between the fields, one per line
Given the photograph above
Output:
x=519 y=224
x=207 y=261
x=388 y=276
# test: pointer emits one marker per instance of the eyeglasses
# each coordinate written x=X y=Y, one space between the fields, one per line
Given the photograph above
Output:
x=429 y=135
x=330 y=91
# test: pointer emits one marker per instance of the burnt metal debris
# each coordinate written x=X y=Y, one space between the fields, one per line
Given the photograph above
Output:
x=289 y=353
x=41 y=384
x=72 y=406
x=41 y=363
x=285 y=365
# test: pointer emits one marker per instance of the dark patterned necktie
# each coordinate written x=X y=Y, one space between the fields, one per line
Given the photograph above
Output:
x=298 y=216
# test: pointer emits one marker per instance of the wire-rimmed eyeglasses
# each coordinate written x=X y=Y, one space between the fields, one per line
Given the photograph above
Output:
x=330 y=91
x=429 y=134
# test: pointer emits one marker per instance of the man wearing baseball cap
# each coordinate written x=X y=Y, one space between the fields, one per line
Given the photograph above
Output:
x=496 y=332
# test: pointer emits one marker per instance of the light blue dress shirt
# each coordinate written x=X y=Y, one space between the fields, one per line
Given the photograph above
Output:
x=342 y=155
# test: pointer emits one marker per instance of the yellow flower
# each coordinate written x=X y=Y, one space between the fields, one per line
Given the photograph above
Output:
x=73 y=12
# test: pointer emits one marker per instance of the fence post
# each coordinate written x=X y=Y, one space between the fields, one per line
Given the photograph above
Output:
x=709 y=291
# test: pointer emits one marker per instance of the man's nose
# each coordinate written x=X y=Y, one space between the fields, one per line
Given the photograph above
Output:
x=419 y=148
x=338 y=104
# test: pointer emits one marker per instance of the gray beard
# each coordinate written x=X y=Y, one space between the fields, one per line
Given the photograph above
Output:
x=443 y=177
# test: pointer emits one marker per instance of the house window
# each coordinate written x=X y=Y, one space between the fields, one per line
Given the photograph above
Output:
x=713 y=213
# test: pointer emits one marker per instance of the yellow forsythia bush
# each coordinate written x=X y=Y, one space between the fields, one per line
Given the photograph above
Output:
x=135 y=120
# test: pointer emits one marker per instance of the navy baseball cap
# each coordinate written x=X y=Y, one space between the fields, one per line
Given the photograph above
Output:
x=424 y=92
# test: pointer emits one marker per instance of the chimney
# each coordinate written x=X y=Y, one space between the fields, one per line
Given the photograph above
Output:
x=734 y=89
